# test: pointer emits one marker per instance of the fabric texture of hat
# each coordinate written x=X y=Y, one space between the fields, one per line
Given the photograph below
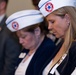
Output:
x=23 y=19
x=48 y=6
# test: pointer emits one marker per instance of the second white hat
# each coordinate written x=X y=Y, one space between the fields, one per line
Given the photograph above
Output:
x=23 y=19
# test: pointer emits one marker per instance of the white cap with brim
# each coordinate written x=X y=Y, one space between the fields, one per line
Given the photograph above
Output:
x=23 y=19
x=48 y=6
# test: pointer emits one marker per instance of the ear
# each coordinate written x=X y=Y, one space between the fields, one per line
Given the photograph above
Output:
x=37 y=31
x=67 y=17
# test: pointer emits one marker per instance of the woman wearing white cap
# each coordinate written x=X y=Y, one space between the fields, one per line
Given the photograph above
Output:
x=61 y=18
x=28 y=25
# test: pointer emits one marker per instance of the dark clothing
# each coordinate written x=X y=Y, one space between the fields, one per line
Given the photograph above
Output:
x=68 y=65
x=9 y=50
x=41 y=55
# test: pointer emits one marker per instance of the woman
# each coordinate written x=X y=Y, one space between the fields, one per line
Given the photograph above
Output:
x=61 y=18
x=29 y=27
x=56 y=40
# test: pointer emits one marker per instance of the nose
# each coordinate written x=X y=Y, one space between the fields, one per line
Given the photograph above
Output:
x=50 y=27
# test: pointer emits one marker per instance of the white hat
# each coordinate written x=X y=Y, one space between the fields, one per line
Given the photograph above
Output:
x=23 y=19
x=48 y=6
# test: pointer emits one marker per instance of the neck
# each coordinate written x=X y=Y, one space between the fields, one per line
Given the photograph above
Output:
x=2 y=12
x=37 y=45
x=33 y=50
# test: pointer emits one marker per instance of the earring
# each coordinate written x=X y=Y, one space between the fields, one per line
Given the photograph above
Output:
x=68 y=23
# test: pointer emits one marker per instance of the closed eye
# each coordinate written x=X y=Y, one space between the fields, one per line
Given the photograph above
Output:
x=23 y=37
x=51 y=21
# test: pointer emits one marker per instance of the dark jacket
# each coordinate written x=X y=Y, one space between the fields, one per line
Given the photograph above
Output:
x=9 y=50
x=41 y=55
x=68 y=65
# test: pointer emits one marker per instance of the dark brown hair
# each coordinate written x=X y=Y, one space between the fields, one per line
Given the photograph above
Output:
x=4 y=0
x=42 y=25
x=35 y=2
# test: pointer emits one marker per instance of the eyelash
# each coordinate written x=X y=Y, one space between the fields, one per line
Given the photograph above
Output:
x=51 y=22
x=23 y=37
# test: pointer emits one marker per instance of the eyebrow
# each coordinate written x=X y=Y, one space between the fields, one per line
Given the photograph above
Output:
x=22 y=16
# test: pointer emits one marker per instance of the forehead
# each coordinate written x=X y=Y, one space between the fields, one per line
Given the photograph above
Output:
x=51 y=16
x=22 y=33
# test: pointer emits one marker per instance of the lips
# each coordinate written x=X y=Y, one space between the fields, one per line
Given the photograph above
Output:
x=51 y=32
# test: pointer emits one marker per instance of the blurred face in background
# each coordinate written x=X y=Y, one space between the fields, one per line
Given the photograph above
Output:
x=3 y=6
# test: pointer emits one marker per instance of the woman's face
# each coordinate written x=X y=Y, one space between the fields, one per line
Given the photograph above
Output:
x=27 y=39
x=57 y=25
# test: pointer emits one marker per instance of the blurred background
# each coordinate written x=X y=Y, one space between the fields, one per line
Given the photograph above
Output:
x=17 y=5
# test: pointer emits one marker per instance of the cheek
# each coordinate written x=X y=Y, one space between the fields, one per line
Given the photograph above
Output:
x=29 y=40
x=63 y=25
x=61 y=29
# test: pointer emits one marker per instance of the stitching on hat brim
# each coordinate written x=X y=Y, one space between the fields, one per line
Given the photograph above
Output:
x=44 y=4
x=21 y=16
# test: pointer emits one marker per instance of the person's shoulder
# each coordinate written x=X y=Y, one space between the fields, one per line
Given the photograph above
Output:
x=47 y=46
x=73 y=48
x=48 y=42
x=4 y=34
x=73 y=45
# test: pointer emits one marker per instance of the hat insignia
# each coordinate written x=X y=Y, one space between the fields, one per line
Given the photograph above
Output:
x=49 y=7
x=15 y=25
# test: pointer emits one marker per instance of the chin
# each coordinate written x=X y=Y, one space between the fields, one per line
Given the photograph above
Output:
x=25 y=47
x=57 y=36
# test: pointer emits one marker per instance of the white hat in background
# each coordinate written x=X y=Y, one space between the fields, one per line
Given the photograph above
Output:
x=23 y=19
x=48 y=6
